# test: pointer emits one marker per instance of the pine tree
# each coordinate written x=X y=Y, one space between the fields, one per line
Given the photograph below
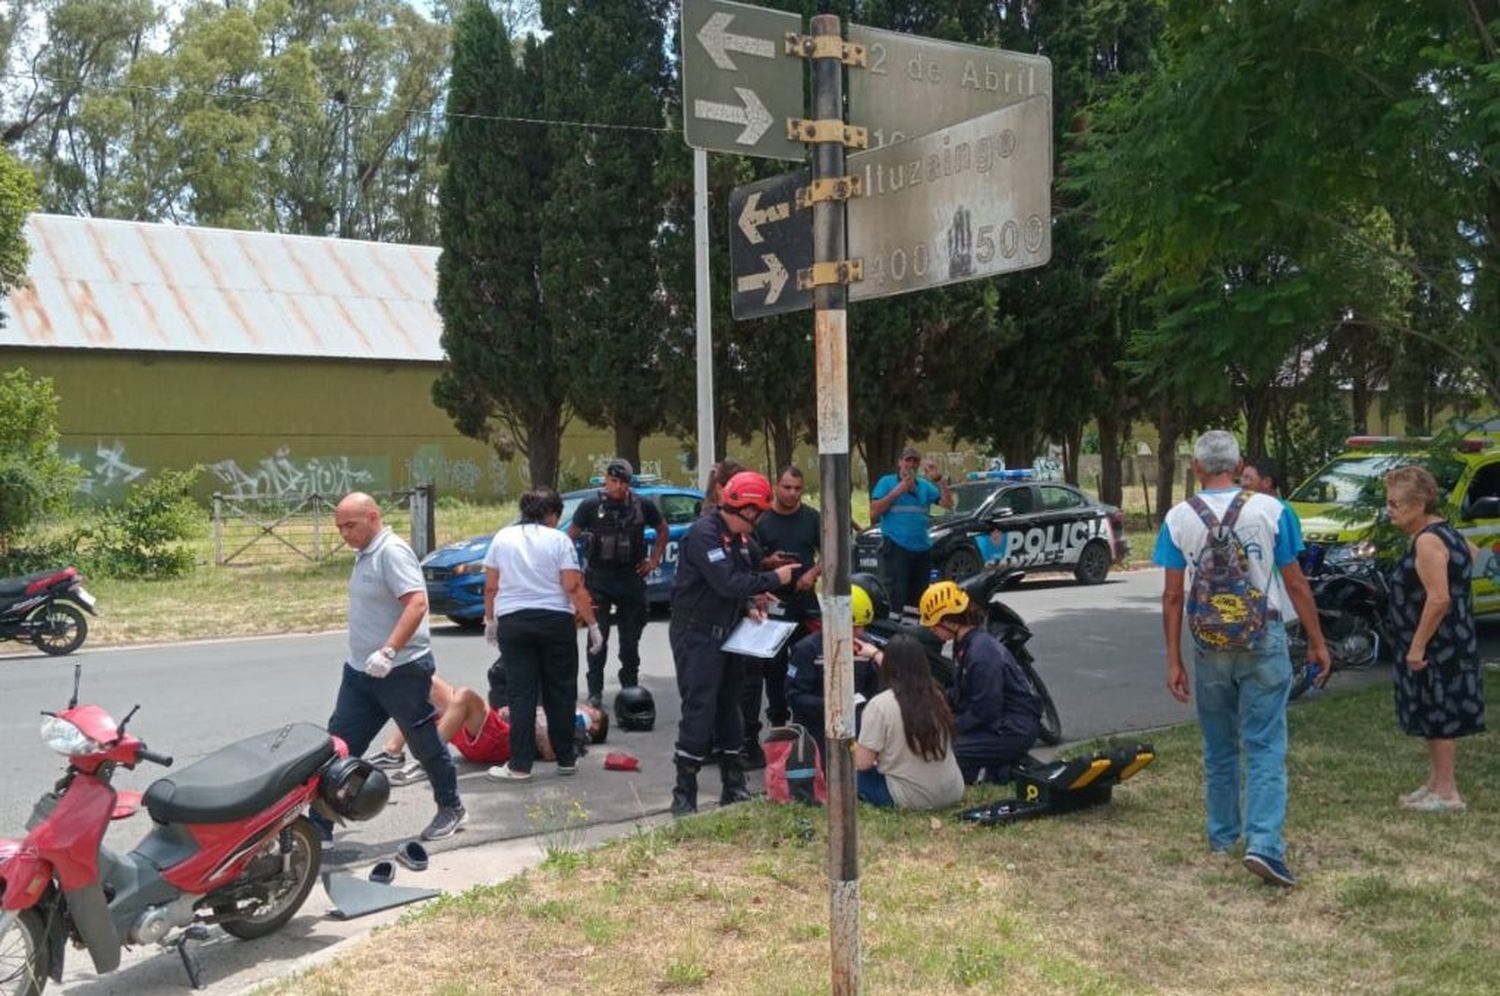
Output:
x=502 y=384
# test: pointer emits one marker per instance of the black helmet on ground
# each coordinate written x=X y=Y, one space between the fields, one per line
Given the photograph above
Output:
x=872 y=586
x=354 y=788
x=635 y=709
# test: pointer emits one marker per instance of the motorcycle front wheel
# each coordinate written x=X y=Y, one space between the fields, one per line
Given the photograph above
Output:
x=1051 y=733
x=306 y=848
x=60 y=629
x=23 y=955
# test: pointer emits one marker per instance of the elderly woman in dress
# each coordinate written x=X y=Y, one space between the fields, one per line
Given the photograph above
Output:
x=1439 y=683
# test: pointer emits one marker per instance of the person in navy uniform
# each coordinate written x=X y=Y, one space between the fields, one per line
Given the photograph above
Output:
x=716 y=579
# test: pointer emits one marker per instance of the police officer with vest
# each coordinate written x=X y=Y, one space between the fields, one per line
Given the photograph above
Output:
x=613 y=524
x=715 y=583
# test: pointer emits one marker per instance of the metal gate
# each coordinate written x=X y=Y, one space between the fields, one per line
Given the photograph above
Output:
x=282 y=530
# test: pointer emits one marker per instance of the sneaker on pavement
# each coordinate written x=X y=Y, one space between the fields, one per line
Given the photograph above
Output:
x=445 y=823
x=1270 y=869
x=505 y=773
x=568 y=769
x=385 y=759
x=408 y=774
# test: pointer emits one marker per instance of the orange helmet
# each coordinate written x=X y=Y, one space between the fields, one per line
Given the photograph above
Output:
x=747 y=489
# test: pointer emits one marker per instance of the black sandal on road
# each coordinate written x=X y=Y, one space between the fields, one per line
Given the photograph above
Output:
x=384 y=873
x=413 y=855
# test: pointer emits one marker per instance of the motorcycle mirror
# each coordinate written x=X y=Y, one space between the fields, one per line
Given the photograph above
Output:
x=77 y=677
x=133 y=710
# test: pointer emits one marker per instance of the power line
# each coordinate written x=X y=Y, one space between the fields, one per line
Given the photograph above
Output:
x=86 y=88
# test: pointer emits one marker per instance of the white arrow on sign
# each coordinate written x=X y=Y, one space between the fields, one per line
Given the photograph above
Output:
x=773 y=279
x=753 y=115
x=752 y=217
x=718 y=42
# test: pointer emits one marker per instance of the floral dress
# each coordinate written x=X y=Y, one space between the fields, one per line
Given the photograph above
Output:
x=1445 y=699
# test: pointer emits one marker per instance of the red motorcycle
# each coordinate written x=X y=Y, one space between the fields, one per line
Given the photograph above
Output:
x=230 y=844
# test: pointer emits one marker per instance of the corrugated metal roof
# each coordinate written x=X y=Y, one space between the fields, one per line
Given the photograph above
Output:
x=101 y=284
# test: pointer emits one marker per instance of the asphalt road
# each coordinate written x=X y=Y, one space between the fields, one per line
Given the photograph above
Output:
x=1099 y=650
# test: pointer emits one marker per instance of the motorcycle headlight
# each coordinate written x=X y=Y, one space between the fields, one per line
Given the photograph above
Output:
x=66 y=739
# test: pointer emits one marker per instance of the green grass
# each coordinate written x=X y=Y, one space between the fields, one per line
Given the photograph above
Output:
x=1121 y=899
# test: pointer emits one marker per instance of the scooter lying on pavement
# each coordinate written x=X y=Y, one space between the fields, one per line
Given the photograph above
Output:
x=42 y=608
x=1003 y=623
x=229 y=844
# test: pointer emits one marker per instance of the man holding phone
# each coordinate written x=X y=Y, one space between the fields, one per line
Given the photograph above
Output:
x=790 y=533
x=901 y=503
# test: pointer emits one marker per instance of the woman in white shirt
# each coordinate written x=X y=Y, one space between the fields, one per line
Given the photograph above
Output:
x=532 y=591
x=904 y=754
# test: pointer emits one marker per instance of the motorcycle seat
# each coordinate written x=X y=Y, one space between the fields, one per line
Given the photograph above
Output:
x=241 y=779
x=13 y=588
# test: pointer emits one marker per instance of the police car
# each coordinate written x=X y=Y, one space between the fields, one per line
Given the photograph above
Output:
x=455 y=573
x=1007 y=517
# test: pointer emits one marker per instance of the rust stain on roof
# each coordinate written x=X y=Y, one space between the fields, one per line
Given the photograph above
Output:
x=353 y=326
x=95 y=325
x=30 y=315
x=294 y=305
x=138 y=291
x=102 y=249
x=337 y=254
x=399 y=326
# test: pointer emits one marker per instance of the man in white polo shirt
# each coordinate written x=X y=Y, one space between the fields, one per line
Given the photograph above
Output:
x=388 y=673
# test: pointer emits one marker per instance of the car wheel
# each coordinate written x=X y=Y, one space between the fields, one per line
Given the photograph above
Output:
x=961 y=563
x=1093 y=563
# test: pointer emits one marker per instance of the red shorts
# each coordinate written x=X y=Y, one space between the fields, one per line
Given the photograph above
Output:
x=492 y=746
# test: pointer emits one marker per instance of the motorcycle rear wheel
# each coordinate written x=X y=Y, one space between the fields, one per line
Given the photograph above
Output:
x=1051 y=733
x=65 y=629
x=307 y=855
x=23 y=956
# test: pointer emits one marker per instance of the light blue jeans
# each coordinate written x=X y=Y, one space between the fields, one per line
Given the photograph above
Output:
x=1242 y=706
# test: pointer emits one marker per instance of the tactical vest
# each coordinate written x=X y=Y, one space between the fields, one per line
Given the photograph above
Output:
x=617 y=536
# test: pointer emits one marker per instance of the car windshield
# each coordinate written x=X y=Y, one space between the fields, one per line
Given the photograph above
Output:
x=570 y=505
x=1341 y=482
x=967 y=498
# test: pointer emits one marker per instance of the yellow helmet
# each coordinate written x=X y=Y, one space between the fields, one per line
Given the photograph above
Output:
x=864 y=607
x=942 y=599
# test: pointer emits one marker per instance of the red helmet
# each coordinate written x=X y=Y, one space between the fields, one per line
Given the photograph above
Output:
x=747 y=488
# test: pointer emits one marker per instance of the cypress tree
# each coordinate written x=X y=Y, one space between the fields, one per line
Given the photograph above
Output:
x=502 y=384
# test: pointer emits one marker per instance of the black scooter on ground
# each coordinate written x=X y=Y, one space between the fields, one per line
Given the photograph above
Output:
x=1352 y=598
x=1003 y=623
x=44 y=609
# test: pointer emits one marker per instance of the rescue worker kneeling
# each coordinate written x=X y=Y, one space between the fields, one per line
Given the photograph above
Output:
x=716 y=581
x=996 y=714
x=804 y=671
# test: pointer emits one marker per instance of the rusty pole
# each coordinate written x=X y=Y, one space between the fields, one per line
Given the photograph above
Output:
x=830 y=301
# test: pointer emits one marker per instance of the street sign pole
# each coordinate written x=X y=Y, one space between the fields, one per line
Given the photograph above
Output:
x=830 y=308
x=705 y=339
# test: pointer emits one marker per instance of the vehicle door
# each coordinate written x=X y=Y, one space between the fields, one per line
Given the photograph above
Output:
x=1005 y=522
x=1479 y=522
x=1067 y=521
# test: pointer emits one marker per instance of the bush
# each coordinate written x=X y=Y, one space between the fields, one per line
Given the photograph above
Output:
x=34 y=479
x=143 y=537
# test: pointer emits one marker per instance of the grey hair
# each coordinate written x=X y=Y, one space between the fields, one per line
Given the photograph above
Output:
x=1217 y=452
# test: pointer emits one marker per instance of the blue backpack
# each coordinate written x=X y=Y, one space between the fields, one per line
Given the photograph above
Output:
x=1226 y=612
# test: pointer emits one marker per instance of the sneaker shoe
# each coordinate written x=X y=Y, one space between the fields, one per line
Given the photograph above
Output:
x=386 y=760
x=410 y=774
x=446 y=822
x=568 y=769
x=505 y=773
x=1270 y=869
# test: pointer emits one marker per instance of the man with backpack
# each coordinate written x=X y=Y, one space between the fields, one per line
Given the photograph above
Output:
x=1230 y=561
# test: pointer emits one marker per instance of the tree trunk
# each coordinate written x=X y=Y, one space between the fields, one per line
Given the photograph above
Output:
x=628 y=444
x=883 y=444
x=1072 y=443
x=781 y=435
x=1359 y=376
x=544 y=447
x=1168 y=429
x=1111 y=431
x=1258 y=402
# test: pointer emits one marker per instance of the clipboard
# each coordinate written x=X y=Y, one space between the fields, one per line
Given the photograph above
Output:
x=763 y=638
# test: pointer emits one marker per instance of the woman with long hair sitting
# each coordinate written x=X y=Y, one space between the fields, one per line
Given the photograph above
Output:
x=904 y=754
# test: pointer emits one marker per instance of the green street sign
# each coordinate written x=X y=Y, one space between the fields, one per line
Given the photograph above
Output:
x=913 y=85
x=739 y=86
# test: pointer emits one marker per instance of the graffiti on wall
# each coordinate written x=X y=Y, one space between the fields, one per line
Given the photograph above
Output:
x=431 y=465
x=107 y=469
x=281 y=475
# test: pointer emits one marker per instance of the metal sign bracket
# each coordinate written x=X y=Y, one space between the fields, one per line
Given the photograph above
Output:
x=827 y=130
x=847 y=271
x=839 y=188
x=820 y=47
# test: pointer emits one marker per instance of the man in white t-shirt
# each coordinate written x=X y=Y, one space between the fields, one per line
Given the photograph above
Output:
x=1242 y=694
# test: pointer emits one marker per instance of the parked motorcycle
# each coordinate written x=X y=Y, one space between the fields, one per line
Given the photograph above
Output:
x=1003 y=623
x=1352 y=598
x=229 y=844
x=43 y=609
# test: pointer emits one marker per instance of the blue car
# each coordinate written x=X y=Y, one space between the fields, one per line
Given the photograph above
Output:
x=455 y=573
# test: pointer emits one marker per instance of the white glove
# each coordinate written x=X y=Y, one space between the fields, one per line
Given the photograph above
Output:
x=378 y=665
x=491 y=634
x=596 y=638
